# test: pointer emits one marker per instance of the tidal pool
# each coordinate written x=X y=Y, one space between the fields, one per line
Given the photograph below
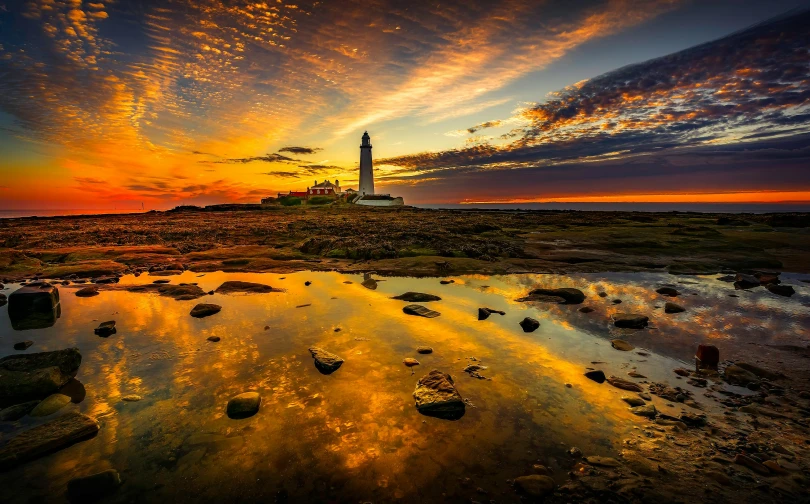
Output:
x=355 y=435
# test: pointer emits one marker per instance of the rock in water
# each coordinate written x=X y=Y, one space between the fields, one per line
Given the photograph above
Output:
x=630 y=321
x=586 y=309
x=35 y=306
x=596 y=375
x=244 y=405
x=105 y=329
x=233 y=286
x=622 y=345
x=568 y=295
x=14 y=413
x=89 y=291
x=131 y=398
x=743 y=281
x=50 y=405
x=633 y=401
x=421 y=311
x=623 y=384
x=668 y=291
x=484 y=313
x=529 y=324
x=417 y=297
x=326 y=362
x=183 y=292
x=23 y=345
x=535 y=486
x=37 y=375
x=369 y=283
x=602 y=461
x=410 y=362
x=424 y=349
x=752 y=464
x=213 y=339
x=205 y=310
x=673 y=308
x=94 y=487
x=436 y=396
x=645 y=411
x=59 y=433
x=781 y=290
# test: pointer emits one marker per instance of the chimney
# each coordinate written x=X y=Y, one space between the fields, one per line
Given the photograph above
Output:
x=337 y=183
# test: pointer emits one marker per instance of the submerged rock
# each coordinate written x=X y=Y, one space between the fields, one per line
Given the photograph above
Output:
x=421 y=311
x=50 y=405
x=568 y=295
x=630 y=320
x=184 y=292
x=94 y=487
x=424 y=349
x=59 y=433
x=326 y=362
x=586 y=309
x=535 y=486
x=14 y=413
x=417 y=297
x=37 y=375
x=484 y=313
x=596 y=375
x=35 y=306
x=244 y=405
x=88 y=291
x=205 y=310
x=23 y=345
x=622 y=345
x=436 y=396
x=673 y=308
x=105 y=329
x=233 y=286
x=623 y=384
x=529 y=324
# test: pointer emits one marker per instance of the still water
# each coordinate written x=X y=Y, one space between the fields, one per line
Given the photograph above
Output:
x=355 y=435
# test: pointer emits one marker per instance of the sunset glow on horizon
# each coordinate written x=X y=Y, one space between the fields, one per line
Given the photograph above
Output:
x=117 y=104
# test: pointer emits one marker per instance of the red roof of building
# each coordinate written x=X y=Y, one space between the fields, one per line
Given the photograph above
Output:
x=298 y=194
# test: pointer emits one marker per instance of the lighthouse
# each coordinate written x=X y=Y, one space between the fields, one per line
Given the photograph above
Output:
x=366 y=187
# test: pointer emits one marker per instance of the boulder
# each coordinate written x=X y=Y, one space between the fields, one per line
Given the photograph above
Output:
x=623 y=384
x=707 y=357
x=417 y=297
x=780 y=290
x=54 y=435
x=94 y=487
x=596 y=375
x=529 y=324
x=743 y=281
x=244 y=405
x=36 y=375
x=630 y=320
x=50 y=405
x=235 y=286
x=668 y=291
x=325 y=362
x=568 y=295
x=424 y=349
x=23 y=345
x=14 y=413
x=535 y=486
x=88 y=291
x=622 y=345
x=436 y=396
x=105 y=329
x=673 y=308
x=205 y=310
x=35 y=306
x=421 y=311
x=484 y=313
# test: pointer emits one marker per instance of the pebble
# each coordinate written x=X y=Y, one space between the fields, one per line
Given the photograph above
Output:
x=244 y=405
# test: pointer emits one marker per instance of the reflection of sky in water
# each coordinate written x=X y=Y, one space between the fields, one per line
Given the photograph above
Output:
x=355 y=435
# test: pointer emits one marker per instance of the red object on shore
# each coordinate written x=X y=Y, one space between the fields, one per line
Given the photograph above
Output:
x=707 y=357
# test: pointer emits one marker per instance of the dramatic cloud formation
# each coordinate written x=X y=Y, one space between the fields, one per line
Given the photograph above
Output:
x=300 y=150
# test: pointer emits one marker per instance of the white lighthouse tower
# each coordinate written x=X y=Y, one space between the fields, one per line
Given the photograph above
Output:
x=366 y=169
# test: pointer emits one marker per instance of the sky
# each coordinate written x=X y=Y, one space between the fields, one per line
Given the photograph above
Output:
x=129 y=104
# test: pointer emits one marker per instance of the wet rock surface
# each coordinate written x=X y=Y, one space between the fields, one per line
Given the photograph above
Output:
x=205 y=310
x=325 y=362
x=244 y=405
x=630 y=320
x=436 y=396
x=420 y=311
x=565 y=295
x=529 y=324
x=233 y=287
x=43 y=439
x=34 y=306
x=417 y=297
x=36 y=375
x=180 y=292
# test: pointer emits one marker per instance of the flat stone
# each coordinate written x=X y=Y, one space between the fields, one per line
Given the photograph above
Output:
x=436 y=395
x=410 y=362
x=602 y=461
x=94 y=487
x=647 y=410
x=622 y=345
x=623 y=384
x=529 y=324
x=325 y=362
x=633 y=401
x=424 y=349
x=205 y=310
x=234 y=286
x=668 y=291
x=421 y=311
x=54 y=435
x=185 y=292
x=14 y=413
x=244 y=405
x=596 y=375
x=446 y=282
x=630 y=320
x=50 y=405
x=536 y=486
x=23 y=345
x=568 y=295
x=88 y=291
x=105 y=329
x=417 y=297
x=36 y=375
x=673 y=308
